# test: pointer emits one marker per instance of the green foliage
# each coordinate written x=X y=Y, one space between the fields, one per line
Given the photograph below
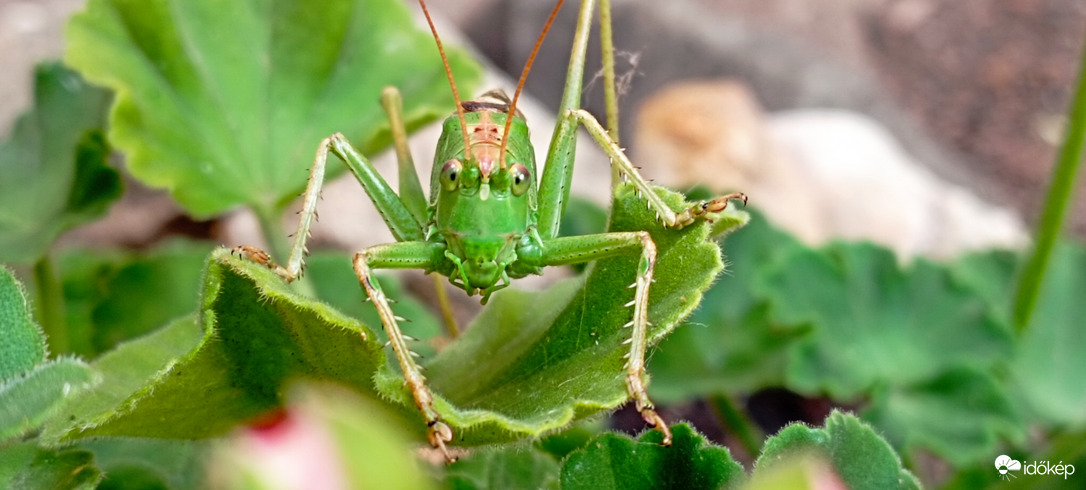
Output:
x=21 y=340
x=134 y=463
x=54 y=165
x=254 y=334
x=564 y=359
x=859 y=456
x=112 y=297
x=26 y=467
x=224 y=103
x=961 y=415
x=730 y=344
x=616 y=461
x=26 y=400
x=867 y=311
x=31 y=387
x=1049 y=363
x=336 y=283
x=495 y=469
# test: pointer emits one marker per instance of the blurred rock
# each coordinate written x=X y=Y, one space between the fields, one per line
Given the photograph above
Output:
x=713 y=133
x=821 y=174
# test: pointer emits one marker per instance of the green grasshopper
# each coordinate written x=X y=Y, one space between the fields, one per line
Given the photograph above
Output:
x=488 y=220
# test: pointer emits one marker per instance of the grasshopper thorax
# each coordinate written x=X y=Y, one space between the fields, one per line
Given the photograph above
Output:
x=483 y=204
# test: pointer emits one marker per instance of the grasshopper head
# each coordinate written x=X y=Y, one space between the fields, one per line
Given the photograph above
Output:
x=482 y=206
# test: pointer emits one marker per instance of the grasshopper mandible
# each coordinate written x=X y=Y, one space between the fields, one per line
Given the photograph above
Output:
x=489 y=217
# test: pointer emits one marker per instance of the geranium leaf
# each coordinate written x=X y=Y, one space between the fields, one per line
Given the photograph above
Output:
x=960 y=415
x=54 y=165
x=859 y=456
x=510 y=467
x=114 y=296
x=31 y=388
x=614 y=461
x=23 y=344
x=876 y=323
x=1048 y=365
x=257 y=334
x=25 y=466
x=225 y=103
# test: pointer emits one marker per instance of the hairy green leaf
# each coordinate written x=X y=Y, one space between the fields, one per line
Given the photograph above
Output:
x=27 y=400
x=128 y=373
x=31 y=388
x=876 y=323
x=517 y=372
x=54 y=165
x=618 y=462
x=861 y=458
x=224 y=103
x=22 y=343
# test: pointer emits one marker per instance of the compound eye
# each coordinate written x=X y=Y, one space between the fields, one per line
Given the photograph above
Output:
x=451 y=174
x=522 y=180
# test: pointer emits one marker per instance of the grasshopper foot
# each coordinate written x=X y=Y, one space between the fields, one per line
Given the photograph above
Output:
x=705 y=208
x=438 y=433
x=261 y=257
x=253 y=254
x=654 y=419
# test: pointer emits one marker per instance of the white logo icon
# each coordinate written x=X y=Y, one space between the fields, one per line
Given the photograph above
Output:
x=1006 y=465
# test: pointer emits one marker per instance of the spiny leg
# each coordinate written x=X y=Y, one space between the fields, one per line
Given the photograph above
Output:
x=306 y=216
x=419 y=255
x=392 y=209
x=579 y=249
x=619 y=160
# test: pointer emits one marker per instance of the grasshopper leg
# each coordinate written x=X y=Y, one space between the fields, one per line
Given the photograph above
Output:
x=296 y=262
x=620 y=161
x=393 y=210
x=585 y=248
x=635 y=364
x=404 y=254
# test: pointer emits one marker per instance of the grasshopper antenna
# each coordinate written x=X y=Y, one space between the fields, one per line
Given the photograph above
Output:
x=452 y=83
x=523 y=78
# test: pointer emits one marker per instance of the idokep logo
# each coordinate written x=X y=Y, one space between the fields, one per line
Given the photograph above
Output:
x=1006 y=466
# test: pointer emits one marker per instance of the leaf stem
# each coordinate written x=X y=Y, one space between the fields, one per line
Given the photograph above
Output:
x=1058 y=200
x=738 y=423
x=50 y=308
x=278 y=245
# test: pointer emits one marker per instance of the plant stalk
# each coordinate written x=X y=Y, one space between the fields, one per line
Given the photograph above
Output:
x=739 y=424
x=50 y=307
x=1058 y=200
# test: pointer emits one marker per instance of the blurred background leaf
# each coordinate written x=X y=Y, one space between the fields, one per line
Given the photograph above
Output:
x=54 y=167
x=224 y=104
